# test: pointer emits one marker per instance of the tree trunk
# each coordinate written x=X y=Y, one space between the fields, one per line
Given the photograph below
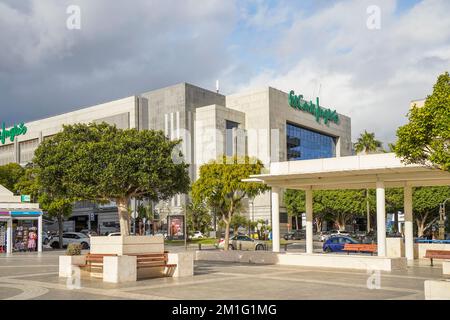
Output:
x=124 y=216
x=60 y=230
x=227 y=234
x=296 y=222
x=368 y=210
x=319 y=224
x=420 y=228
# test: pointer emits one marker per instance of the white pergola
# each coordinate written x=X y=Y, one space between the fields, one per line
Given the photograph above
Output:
x=378 y=171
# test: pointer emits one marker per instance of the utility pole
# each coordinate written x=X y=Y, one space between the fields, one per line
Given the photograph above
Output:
x=442 y=220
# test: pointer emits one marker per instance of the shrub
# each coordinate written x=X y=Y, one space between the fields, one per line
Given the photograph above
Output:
x=73 y=249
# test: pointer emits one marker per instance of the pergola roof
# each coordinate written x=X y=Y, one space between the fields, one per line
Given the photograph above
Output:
x=353 y=172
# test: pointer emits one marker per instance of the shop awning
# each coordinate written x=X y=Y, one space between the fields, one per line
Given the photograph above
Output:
x=20 y=213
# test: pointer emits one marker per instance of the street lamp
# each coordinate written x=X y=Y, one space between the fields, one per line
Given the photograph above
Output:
x=442 y=219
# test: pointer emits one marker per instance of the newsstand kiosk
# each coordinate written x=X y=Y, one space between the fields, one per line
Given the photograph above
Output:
x=20 y=223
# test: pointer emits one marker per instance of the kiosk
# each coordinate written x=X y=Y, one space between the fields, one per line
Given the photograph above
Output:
x=20 y=223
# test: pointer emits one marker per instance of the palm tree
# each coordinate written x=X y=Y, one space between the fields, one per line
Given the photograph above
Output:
x=366 y=144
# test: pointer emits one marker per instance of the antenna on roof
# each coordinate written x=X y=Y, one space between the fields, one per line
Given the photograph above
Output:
x=217 y=86
x=320 y=87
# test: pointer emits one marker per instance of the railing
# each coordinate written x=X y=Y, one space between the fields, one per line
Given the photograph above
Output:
x=432 y=241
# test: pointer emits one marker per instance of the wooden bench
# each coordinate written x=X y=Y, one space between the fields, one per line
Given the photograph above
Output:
x=437 y=254
x=360 y=247
x=95 y=262
x=151 y=260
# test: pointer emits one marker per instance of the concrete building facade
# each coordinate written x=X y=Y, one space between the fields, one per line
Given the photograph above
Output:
x=267 y=124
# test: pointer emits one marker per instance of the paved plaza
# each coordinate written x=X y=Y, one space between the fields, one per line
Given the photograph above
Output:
x=34 y=276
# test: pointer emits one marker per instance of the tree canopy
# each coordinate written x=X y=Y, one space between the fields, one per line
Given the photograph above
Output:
x=426 y=138
x=10 y=174
x=220 y=186
x=367 y=143
x=100 y=162
x=55 y=203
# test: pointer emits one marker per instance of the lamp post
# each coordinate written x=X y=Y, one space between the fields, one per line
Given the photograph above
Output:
x=442 y=219
x=252 y=201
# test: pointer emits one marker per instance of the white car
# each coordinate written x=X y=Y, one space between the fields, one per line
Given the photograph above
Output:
x=197 y=235
x=71 y=237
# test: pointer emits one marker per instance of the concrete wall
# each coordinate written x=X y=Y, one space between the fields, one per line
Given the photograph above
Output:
x=172 y=109
x=361 y=262
x=210 y=132
x=423 y=247
x=120 y=112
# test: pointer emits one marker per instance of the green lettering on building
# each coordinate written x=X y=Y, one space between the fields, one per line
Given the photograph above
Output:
x=12 y=133
x=316 y=110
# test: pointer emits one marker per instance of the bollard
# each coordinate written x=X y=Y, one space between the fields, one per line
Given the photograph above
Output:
x=199 y=246
x=285 y=247
x=240 y=246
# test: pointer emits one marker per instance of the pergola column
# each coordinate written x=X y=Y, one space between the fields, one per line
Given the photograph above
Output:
x=409 y=240
x=275 y=219
x=381 y=219
x=309 y=220
x=39 y=234
x=9 y=234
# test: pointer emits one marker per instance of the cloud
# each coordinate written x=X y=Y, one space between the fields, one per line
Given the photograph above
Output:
x=121 y=50
x=370 y=75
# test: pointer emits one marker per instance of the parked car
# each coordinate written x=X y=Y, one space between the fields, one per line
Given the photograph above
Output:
x=161 y=233
x=71 y=237
x=197 y=235
x=46 y=237
x=339 y=233
x=336 y=243
x=242 y=242
x=324 y=235
x=89 y=233
x=295 y=235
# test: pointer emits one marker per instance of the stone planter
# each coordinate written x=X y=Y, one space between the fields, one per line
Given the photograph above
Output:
x=446 y=267
x=69 y=264
x=119 y=269
x=437 y=289
x=184 y=262
x=395 y=248
x=123 y=245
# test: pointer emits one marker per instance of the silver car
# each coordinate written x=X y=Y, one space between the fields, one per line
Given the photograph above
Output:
x=243 y=242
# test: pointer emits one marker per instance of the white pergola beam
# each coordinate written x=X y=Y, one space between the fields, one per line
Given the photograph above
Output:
x=427 y=178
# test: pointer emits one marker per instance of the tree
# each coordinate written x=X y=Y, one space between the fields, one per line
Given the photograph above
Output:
x=100 y=162
x=366 y=144
x=144 y=211
x=51 y=201
x=220 y=184
x=198 y=217
x=426 y=138
x=426 y=202
x=340 y=206
x=295 y=205
x=10 y=174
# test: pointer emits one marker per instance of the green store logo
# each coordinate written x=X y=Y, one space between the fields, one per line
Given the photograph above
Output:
x=12 y=133
x=316 y=110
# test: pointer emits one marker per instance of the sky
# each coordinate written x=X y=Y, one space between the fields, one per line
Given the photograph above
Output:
x=319 y=48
